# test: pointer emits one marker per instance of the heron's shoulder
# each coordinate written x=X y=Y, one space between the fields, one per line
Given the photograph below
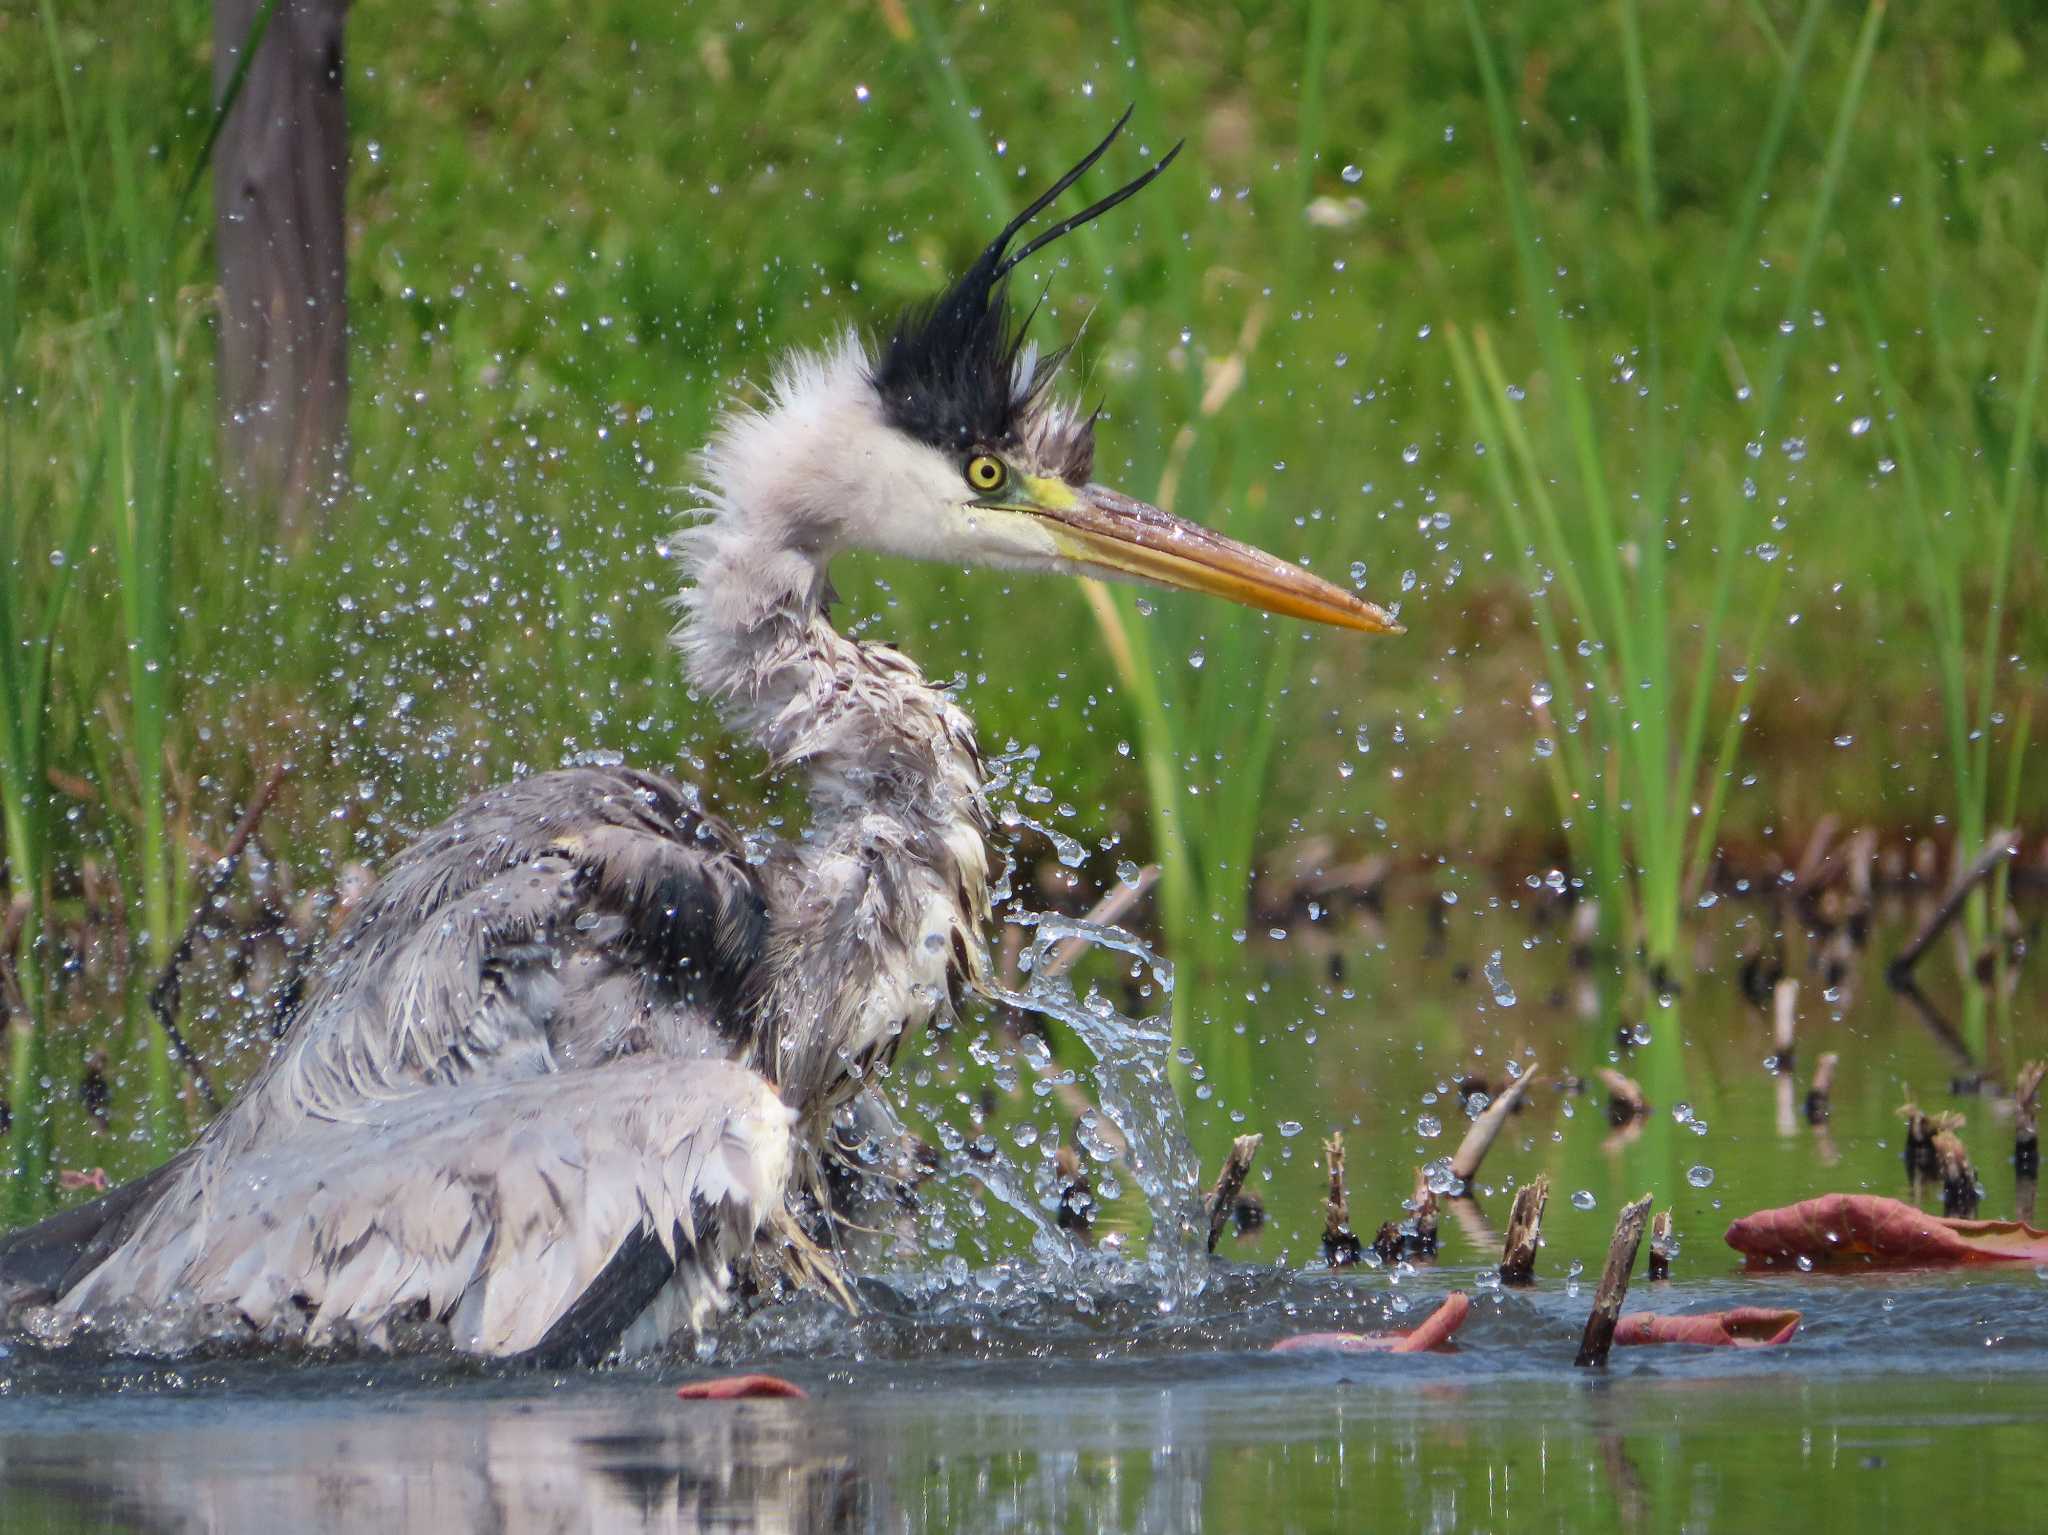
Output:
x=620 y=818
x=516 y=822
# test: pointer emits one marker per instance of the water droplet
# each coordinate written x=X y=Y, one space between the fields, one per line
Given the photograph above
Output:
x=1845 y=740
x=1859 y=426
x=1428 y=1126
x=1197 y=659
x=1289 y=1129
x=1352 y=175
x=860 y=93
x=1540 y=695
x=1411 y=453
x=1545 y=746
x=1583 y=1200
x=1516 y=392
x=1700 y=1177
x=1497 y=977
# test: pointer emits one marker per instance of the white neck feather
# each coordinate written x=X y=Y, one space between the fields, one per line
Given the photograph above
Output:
x=877 y=915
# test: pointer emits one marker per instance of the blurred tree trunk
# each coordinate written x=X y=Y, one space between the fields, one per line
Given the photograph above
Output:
x=279 y=179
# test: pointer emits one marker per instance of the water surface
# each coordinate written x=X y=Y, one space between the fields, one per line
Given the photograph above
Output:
x=1000 y=1380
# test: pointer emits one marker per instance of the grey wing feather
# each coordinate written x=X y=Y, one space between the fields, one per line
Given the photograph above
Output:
x=491 y=1211
x=563 y=920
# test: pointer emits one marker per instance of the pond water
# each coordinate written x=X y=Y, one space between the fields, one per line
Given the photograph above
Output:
x=994 y=1382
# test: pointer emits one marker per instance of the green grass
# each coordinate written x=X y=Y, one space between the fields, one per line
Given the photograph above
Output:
x=1967 y=503
x=575 y=232
x=1629 y=769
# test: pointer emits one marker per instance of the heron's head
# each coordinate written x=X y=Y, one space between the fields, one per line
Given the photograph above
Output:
x=951 y=443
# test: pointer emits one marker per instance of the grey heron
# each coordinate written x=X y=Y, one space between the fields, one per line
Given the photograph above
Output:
x=576 y=1061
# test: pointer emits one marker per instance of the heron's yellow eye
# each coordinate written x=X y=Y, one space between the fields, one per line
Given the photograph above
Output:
x=986 y=472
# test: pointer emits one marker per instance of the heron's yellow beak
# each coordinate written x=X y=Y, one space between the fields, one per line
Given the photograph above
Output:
x=1107 y=531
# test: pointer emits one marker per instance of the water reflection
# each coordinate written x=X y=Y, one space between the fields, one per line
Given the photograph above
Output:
x=521 y=1468
x=1706 y=1445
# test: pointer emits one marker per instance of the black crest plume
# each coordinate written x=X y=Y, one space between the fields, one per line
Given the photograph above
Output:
x=948 y=373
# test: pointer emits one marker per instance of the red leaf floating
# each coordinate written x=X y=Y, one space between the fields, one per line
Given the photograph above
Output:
x=733 y=1388
x=1435 y=1332
x=1881 y=1232
x=1744 y=1327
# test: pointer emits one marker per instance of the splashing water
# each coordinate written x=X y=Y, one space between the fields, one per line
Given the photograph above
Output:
x=1125 y=1123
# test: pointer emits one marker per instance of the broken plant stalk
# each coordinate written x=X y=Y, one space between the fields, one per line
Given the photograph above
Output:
x=1662 y=1247
x=2026 y=1130
x=1525 y=1228
x=1223 y=1197
x=1486 y=1128
x=1784 y=1023
x=1340 y=1244
x=1621 y=1257
x=2001 y=846
x=1958 y=1176
x=1416 y=1236
x=1822 y=1089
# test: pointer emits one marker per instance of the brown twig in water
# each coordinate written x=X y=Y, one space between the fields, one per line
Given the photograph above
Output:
x=163 y=996
x=1662 y=1247
x=1784 y=1023
x=1340 y=1244
x=1422 y=1241
x=2002 y=845
x=1958 y=1176
x=1222 y=1198
x=1625 y=1101
x=1486 y=1128
x=1919 y=1155
x=2026 y=1130
x=1416 y=1236
x=1822 y=1089
x=1525 y=1227
x=1621 y=1257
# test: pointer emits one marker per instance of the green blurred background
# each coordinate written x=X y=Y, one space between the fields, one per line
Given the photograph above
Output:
x=576 y=230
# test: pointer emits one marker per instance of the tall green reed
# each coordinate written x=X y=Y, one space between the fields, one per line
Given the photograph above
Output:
x=128 y=362
x=1966 y=509
x=32 y=610
x=1633 y=718
x=1199 y=688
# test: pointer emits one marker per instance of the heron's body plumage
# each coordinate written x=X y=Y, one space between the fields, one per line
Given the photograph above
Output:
x=579 y=1058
